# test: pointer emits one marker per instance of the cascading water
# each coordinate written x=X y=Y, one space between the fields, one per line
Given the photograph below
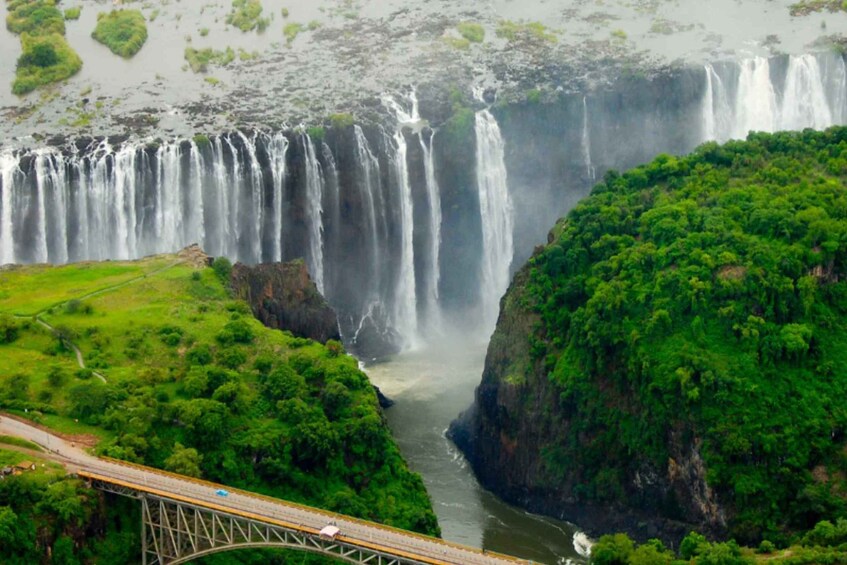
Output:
x=590 y=171
x=812 y=94
x=8 y=169
x=257 y=197
x=496 y=211
x=314 y=211
x=405 y=312
x=433 y=277
x=277 y=150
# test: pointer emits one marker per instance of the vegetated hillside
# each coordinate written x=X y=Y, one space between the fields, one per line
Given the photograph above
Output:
x=676 y=356
x=194 y=384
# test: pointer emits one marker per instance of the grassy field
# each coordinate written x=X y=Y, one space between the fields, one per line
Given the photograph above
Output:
x=33 y=289
x=18 y=442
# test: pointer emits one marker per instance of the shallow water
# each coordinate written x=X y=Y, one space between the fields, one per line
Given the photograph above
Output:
x=430 y=387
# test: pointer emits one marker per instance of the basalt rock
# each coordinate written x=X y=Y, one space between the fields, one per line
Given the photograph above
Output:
x=283 y=296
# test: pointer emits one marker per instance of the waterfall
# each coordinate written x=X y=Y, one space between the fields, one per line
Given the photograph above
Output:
x=277 y=151
x=196 y=219
x=496 y=211
x=590 y=171
x=42 y=166
x=433 y=193
x=369 y=186
x=314 y=210
x=257 y=197
x=810 y=96
x=804 y=102
x=8 y=168
x=405 y=312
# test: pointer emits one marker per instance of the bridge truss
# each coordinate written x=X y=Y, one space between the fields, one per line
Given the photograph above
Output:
x=175 y=532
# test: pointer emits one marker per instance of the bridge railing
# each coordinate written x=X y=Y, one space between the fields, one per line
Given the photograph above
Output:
x=328 y=514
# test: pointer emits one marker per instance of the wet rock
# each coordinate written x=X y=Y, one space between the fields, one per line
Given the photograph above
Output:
x=283 y=296
x=384 y=401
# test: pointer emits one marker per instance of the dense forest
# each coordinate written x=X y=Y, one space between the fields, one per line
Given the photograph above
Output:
x=180 y=376
x=701 y=300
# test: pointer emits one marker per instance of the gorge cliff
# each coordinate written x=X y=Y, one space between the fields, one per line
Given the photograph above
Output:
x=673 y=358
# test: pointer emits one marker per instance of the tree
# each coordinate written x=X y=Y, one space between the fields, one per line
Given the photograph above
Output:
x=184 y=460
x=612 y=550
x=9 y=329
x=283 y=383
x=42 y=55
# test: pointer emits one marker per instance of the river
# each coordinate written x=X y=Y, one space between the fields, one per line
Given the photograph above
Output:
x=430 y=386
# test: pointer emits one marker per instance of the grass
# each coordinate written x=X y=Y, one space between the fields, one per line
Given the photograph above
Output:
x=18 y=442
x=457 y=43
x=472 y=32
x=200 y=59
x=342 y=120
x=291 y=31
x=35 y=17
x=246 y=15
x=73 y=13
x=806 y=7
x=122 y=31
x=45 y=55
x=43 y=467
x=28 y=291
x=525 y=31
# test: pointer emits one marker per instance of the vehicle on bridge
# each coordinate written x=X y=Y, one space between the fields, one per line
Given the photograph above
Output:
x=222 y=492
x=329 y=532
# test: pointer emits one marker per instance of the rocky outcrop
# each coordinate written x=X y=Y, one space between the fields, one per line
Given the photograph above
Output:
x=511 y=433
x=284 y=297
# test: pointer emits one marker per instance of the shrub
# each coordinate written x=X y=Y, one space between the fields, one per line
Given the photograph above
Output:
x=122 y=31
x=200 y=355
x=241 y=331
x=45 y=59
x=246 y=15
x=223 y=268
x=341 y=121
x=9 y=329
x=334 y=348
x=73 y=13
x=291 y=31
x=474 y=33
x=766 y=547
x=231 y=358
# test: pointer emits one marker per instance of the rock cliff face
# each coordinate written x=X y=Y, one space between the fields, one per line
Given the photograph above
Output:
x=517 y=420
x=284 y=297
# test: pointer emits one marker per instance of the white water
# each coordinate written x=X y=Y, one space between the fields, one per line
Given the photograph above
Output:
x=590 y=171
x=369 y=167
x=405 y=303
x=809 y=96
x=196 y=216
x=496 y=211
x=8 y=167
x=257 y=197
x=314 y=211
x=278 y=150
x=433 y=275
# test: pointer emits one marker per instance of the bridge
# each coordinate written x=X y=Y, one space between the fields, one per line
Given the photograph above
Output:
x=185 y=518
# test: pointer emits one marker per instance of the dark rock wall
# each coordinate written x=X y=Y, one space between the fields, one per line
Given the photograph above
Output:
x=283 y=296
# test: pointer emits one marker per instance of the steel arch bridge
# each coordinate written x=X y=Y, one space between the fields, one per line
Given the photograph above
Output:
x=177 y=530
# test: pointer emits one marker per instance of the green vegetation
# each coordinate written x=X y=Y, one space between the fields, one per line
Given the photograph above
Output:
x=825 y=543
x=342 y=120
x=457 y=42
x=46 y=56
x=122 y=31
x=619 y=34
x=806 y=7
x=18 y=442
x=317 y=133
x=472 y=32
x=73 y=13
x=200 y=59
x=204 y=31
x=291 y=31
x=246 y=15
x=710 y=293
x=197 y=385
x=525 y=31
